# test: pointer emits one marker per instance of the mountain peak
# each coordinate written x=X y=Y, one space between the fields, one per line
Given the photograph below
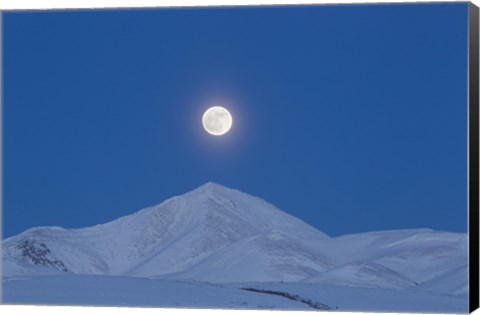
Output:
x=209 y=186
x=211 y=189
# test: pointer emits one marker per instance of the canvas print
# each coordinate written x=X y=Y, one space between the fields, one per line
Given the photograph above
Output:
x=308 y=157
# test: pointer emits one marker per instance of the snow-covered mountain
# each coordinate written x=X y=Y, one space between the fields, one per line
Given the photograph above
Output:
x=171 y=237
x=220 y=235
x=419 y=255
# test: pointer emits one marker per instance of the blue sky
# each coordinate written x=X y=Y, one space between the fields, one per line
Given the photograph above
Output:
x=352 y=118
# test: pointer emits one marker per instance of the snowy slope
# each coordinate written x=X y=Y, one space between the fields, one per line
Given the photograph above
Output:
x=418 y=254
x=362 y=274
x=266 y=257
x=454 y=282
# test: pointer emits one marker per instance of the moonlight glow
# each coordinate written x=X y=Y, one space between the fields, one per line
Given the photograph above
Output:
x=217 y=120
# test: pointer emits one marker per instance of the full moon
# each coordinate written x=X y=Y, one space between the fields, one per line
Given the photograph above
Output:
x=217 y=120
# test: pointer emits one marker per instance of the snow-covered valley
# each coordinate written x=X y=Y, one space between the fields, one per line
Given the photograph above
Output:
x=134 y=291
x=216 y=247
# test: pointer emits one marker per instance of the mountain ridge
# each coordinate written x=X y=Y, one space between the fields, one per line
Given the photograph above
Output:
x=218 y=234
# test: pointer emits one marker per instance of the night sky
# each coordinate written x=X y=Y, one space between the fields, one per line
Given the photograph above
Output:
x=351 y=117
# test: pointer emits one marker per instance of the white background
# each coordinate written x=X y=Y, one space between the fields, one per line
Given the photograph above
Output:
x=49 y=4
